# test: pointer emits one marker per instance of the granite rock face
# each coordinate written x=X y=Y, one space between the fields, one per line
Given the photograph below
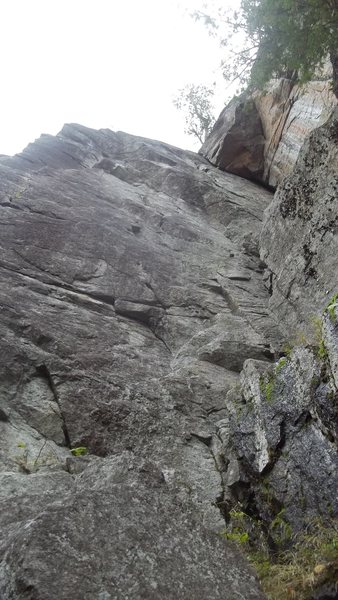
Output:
x=285 y=114
x=131 y=295
x=299 y=239
x=143 y=305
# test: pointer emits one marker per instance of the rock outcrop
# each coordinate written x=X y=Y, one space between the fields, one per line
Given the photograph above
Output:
x=260 y=136
x=146 y=390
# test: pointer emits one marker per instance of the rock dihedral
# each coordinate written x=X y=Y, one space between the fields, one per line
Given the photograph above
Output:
x=282 y=419
x=260 y=136
x=137 y=322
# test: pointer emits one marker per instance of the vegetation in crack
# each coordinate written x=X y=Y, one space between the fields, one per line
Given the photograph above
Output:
x=331 y=308
x=79 y=451
x=267 y=386
x=304 y=563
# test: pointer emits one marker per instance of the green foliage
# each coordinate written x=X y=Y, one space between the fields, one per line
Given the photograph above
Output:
x=277 y=38
x=281 y=363
x=310 y=563
x=310 y=560
x=239 y=527
x=195 y=102
x=238 y=537
x=280 y=529
x=267 y=386
x=313 y=338
x=321 y=350
x=331 y=308
x=292 y=36
x=79 y=451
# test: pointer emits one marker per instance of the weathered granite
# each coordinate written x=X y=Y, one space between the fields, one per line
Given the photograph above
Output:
x=113 y=532
x=284 y=114
x=289 y=113
x=120 y=259
x=299 y=240
x=281 y=437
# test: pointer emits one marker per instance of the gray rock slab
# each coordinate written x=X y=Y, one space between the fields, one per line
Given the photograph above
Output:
x=120 y=258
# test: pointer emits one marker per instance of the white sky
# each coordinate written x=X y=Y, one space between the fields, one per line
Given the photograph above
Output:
x=102 y=63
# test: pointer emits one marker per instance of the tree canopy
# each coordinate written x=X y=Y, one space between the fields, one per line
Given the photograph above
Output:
x=279 y=37
x=291 y=36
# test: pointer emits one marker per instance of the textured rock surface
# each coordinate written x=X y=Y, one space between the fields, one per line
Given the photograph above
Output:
x=299 y=239
x=139 y=320
x=285 y=114
x=236 y=143
x=281 y=434
x=118 y=534
x=131 y=295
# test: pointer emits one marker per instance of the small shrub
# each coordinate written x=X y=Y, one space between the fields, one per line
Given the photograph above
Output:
x=331 y=308
x=321 y=350
x=79 y=451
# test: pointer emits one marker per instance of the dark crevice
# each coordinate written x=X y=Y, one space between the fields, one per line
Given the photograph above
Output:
x=214 y=409
x=222 y=506
x=161 y=340
x=11 y=205
x=304 y=418
x=150 y=287
x=106 y=299
x=44 y=372
x=275 y=453
x=3 y=416
x=147 y=320
x=206 y=440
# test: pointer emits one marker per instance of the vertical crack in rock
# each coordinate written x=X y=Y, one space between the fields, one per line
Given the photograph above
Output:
x=45 y=373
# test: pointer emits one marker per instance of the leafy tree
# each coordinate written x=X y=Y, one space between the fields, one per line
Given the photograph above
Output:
x=195 y=102
x=280 y=37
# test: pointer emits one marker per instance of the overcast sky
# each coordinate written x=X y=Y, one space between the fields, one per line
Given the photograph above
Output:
x=101 y=63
